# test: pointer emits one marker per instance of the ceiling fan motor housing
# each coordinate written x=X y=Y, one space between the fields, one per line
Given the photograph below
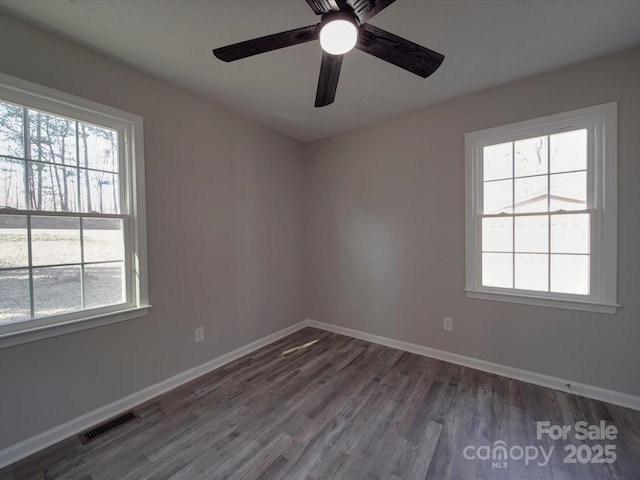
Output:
x=347 y=15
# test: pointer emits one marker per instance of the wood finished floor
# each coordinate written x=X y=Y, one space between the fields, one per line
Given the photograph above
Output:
x=338 y=409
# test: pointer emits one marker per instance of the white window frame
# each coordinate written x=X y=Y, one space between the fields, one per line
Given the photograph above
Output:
x=130 y=133
x=601 y=122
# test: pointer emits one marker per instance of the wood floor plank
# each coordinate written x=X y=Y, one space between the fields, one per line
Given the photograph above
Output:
x=301 y=466
x=377 y=449
x=219 y=465
x=317 y=405
x=264 y=460
x=415 y=459
x=454 y=435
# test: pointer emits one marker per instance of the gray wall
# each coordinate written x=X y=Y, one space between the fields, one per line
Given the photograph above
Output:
x=384 y=232
x=224 y=228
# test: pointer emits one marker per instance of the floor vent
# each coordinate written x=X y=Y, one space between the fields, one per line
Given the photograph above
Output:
x=106 y=427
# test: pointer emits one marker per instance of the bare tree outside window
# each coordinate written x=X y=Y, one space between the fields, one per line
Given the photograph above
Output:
x=55 y=264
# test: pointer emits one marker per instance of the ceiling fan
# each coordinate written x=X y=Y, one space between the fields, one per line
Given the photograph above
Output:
x=343 y=27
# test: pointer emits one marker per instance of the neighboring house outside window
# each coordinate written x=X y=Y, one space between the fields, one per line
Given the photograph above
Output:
x=72 y=220
x=541 y=213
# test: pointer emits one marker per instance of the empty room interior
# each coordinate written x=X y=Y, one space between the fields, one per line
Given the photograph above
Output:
x=321 y=239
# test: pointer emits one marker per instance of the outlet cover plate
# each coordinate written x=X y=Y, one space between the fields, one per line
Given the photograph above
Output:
x=199 y=334
x=447 y=324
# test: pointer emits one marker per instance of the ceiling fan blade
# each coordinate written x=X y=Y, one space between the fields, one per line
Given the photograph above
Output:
x=256 y=46
x=366 y=9
x=328 y=80
x=398 y=51
x=320 y=7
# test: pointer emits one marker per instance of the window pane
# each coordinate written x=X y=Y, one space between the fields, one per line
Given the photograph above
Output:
x=11 y=183
x=531 y=194
x=55 y=240
x=103 y=239
x=100 y=192
x=98 y=148
x=14 y=296
x=569 y=151
x=497 y=270
x=104 y=284
x=53 y=188
x=531 y=156
x=56 y=290
x=569 y=191
x=11 y=130
x=532 y=272
x=497 y=161
x=532 y=234
x=498 y=197
x=570 y=233
x=52 y=138
x=13 y=241
x=497 y=234
x=570 y=274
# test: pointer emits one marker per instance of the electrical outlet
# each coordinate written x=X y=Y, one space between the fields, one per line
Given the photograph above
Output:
x=199 y=334
x=447 y=324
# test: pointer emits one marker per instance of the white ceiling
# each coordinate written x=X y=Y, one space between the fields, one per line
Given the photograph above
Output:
x=485 y=42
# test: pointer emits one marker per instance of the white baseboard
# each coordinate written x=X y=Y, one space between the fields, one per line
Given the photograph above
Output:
x=38 y=442
x=589 y=391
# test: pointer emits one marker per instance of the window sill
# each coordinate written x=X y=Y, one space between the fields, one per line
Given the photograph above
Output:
x=564 y=303
x=39 y=333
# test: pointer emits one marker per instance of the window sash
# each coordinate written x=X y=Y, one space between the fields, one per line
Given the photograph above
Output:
x=30 y=267
x=534 y=133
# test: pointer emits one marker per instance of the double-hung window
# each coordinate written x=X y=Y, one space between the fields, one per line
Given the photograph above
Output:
x=72 y=224
x=541 y=211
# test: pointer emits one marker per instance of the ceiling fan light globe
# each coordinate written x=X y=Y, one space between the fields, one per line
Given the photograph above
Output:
x=338 y=36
